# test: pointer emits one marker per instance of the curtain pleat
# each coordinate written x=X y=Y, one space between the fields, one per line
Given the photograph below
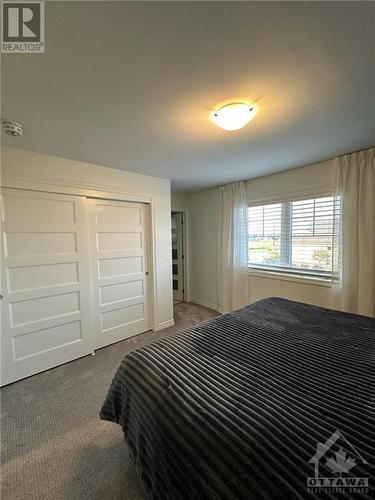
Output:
x=232 y=278
x=354 y=288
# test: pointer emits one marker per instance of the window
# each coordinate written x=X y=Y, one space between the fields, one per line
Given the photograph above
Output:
x=294 y=237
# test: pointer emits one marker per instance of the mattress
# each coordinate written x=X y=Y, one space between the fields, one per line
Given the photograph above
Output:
x=275 y=400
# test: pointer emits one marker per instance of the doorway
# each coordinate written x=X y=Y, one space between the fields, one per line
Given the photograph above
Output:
x=178 y=256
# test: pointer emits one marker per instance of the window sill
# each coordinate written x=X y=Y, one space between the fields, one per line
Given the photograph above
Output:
x=309 y=280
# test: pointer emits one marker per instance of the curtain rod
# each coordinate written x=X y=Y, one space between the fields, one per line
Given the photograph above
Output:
x=356 y=151
x=302 y=166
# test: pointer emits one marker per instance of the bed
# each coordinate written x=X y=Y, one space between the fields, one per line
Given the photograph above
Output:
x=254 y=404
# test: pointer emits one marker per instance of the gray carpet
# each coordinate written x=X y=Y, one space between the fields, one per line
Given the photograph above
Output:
x=53 y=444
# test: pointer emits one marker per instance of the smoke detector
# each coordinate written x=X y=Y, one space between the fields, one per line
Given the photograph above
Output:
x=12 y=128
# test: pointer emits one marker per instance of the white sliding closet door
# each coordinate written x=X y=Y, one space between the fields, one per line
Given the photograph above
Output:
x=120 y=265
x=46 y=307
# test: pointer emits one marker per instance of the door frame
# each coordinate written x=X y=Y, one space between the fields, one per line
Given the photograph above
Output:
x=186 y=250
x=105 y=192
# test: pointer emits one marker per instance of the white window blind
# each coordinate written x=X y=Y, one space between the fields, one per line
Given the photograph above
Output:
x=295 y=236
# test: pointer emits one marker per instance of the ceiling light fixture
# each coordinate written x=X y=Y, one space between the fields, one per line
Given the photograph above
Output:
x=12 y=128
x=234 y=115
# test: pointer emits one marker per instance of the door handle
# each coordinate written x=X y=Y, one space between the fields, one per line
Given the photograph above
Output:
x=147 y=273
x=1 y=297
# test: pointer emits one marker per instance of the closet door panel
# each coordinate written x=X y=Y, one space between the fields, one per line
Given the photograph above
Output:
x=119 y=263
x=46 y=306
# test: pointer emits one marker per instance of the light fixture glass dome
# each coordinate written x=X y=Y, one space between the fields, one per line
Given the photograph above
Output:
x=234 y=115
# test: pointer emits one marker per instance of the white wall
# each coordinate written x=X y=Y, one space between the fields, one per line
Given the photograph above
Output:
x=203 y=208
x=24 y=169
x=312 y=179
x=179 y=201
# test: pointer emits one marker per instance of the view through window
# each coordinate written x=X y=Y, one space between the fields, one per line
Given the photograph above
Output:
x=294 y=236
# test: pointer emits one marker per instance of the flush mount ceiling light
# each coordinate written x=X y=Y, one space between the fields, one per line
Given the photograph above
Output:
x=234 y=115
x=12 y=128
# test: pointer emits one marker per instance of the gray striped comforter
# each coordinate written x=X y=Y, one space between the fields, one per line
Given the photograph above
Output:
x=234 y=408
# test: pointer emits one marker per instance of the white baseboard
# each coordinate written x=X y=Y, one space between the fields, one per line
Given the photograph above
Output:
x=205 y=304
x=163 y=325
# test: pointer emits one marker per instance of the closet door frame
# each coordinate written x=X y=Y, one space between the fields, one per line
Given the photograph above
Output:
x=78 y=188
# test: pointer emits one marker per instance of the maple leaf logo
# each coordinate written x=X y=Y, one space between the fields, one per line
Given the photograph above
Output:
x=341 y=464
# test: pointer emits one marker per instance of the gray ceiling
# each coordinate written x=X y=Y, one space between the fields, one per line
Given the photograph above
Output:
x=130 y=85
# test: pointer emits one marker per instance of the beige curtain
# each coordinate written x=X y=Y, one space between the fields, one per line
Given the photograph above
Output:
x=232 y=272
x=354 y=290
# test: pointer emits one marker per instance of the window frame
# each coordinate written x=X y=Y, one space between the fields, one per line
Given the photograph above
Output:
x=283 y=272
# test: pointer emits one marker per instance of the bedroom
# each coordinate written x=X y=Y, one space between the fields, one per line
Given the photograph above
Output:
x=255 y=121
